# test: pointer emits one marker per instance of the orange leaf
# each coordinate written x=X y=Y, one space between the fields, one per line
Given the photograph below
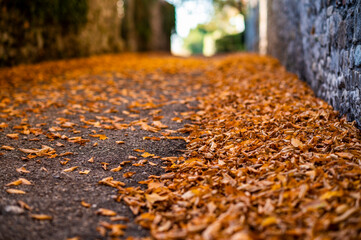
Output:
x=105 y=212
x=100 y=136
x=117 y=169
x=296 y=143
x=14 y=191
x=70 y=169
x=13 y=135
x=84 y=172
x=146 y=154
x=22 y=170
x=9 y=148
x=85 y=204
x=128 y=174
x=41 y=217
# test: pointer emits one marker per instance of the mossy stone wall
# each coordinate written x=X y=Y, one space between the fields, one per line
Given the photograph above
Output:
x=38 y=30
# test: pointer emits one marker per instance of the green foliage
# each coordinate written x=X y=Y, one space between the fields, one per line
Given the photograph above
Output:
x=69 y=14
x=230 y=43
x=194 y=41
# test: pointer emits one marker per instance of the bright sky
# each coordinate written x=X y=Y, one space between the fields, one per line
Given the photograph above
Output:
x=189 y=14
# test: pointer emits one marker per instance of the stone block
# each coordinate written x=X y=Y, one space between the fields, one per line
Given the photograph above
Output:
x=329 y=11
x=341 y=35
x=357 y=56
x=357 y=24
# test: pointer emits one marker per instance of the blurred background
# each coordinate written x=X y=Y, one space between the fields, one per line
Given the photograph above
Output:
x=39 y=30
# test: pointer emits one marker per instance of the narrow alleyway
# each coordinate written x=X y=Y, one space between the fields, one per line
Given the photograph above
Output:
x=131 y=146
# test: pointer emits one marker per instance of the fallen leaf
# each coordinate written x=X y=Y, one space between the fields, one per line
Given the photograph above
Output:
x=158 y=124
x=24 y=205
x=41 y=217
x=70 y=169
x=74 y=238
x=345 y=155
x=119 y=218
x=14 y=191
x=117 y=169
x=146 y=155
x=268 y=221
x=13 y=135
x=85 y=204
x=9 y=148
x=154 y=197
x=84 y=172
x=128 y=174
x=100 y=136
x=105 y=212
x=296 y=143
x=18 y=182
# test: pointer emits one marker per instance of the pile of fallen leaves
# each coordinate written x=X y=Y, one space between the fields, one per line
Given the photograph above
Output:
x=265 y=158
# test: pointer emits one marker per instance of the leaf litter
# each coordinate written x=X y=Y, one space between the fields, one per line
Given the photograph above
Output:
x=265 y=159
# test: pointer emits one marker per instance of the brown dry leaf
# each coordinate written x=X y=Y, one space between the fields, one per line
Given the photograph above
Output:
x=74 y=238
x=15 y=191
x=65 y=154
x=154 y=197
x=120 y=142
x=84 y=172
x=296 y=143
x=331 y=194
x=24 y=205
x=100 y=136
x=110 y=182
x=70 y=169
x=132 y=157
x=128 y=174
x=85 y=204
x=345 y=155
x=177 y=119
x=117 y=169
x=158 y=124
x=146 y=127
x=18 y=182
x=268 y=221
x=91 y=160
x=41 y=217
x=44 y=151
x=139 y=150
x=146 y=155
x=9 y=148
x=104 y=165
x=105 y=212
x=13 y=136
x=119 y=218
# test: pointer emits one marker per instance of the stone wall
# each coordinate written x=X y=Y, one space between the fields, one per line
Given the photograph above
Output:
x=109 y=26
x=22 y=42
x=320 y=40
